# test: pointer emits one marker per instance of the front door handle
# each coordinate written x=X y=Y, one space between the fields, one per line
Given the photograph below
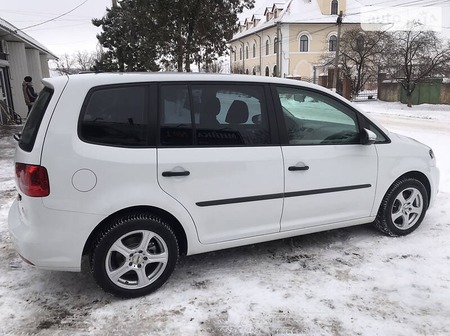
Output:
x=175 y=173
x=295 y=168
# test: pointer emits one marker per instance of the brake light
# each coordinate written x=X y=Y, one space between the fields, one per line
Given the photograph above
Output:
x=32 y=180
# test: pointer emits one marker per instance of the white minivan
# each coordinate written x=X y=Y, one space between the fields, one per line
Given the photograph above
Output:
x=135 y=170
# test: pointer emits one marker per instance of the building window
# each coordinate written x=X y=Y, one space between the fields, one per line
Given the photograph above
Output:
x=275 y=45
x=267 y=47
x=240 y=54
x=334 y=7
x=332 y=43
x=234 y=52
x=267 y=71
x=303 y=43
x=254 y=50
x=246 y=52
x=275 y=71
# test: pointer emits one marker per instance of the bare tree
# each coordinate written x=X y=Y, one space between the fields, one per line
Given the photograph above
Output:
x=415 y=56
x=77 y=62
x=65 y=65
x=85 y=60
x=360 y=56
x=237 y=69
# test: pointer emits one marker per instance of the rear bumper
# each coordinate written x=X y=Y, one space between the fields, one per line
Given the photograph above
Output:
x=48 y=239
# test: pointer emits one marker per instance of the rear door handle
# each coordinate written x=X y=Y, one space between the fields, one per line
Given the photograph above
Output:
x=175 y=173
x=295 y=168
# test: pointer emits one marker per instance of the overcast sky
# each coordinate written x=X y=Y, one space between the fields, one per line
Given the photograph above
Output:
x=74 y=31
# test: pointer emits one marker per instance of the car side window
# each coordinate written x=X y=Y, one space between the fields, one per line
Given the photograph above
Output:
x=175 y=116
x=230 y=115
x=115 y=116
x=313 y=118
x=213 y=115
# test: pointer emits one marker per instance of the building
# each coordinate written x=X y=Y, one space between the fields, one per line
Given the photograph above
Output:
x=20 y=56
x=292 y=38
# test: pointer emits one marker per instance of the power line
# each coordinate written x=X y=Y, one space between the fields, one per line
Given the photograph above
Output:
x=55 y=18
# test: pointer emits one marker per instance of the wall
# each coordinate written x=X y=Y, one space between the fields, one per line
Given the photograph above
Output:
x=19 y=69
x=293 y=62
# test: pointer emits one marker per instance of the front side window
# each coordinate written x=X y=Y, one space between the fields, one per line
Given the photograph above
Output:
x=304 y=43
x=213 y=115
x=115 y=116
x=313 y=118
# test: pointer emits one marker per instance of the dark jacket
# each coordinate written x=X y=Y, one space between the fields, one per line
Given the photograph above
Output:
x=28 y=93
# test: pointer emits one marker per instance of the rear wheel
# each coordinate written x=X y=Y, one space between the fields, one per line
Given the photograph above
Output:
x=134 y=256
x=403 y=207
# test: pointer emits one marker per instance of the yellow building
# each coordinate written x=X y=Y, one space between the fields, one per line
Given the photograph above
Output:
x=291 y=38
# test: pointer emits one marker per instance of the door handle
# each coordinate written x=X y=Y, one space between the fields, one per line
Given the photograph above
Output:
x=175 y=173
x=295 y=168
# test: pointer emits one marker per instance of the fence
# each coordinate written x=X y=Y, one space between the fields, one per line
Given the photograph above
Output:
x=434 y=91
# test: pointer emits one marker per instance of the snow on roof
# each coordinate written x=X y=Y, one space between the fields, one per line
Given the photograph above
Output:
x=302 y=11
x=10 y=32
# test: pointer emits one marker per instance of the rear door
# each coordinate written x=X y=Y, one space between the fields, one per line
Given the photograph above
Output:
x=330 y=176
x=217 y=158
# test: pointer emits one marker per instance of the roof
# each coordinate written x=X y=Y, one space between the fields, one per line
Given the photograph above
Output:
x=10 y=33
x=302 y=11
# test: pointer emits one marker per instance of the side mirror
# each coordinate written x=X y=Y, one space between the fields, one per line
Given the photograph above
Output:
x=368 y=137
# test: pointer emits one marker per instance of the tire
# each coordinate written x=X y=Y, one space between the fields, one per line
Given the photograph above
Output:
x=134 y=255
x=403 y=208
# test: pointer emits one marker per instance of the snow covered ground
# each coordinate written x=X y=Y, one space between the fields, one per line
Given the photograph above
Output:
x=352 y=281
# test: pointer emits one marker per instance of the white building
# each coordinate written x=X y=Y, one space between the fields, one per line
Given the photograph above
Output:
x=20 y=56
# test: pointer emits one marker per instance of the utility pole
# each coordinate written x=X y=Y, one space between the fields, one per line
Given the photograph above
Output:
x=336 y=58
x=278 y=50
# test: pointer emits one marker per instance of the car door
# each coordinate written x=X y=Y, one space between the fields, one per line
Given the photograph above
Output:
x=216 y=157
x=330 y=176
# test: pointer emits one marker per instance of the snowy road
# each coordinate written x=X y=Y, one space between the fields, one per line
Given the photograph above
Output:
x=345 y=282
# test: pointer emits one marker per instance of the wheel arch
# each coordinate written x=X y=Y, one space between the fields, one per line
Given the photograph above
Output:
x=171 y=220
x=420 y=177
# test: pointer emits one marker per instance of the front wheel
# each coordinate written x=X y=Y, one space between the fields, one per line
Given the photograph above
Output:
x=134 y=256
x=403 y=207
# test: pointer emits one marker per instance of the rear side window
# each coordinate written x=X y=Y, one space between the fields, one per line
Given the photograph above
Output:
x=115 y=116
x=34 y=120
x=213 y=115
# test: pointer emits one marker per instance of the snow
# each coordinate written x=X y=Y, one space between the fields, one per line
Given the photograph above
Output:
x=351 y=281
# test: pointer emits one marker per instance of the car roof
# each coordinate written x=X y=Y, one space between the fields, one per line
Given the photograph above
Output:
x=105 y=78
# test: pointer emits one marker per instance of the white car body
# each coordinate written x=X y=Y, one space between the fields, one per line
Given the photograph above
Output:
x=234 y=195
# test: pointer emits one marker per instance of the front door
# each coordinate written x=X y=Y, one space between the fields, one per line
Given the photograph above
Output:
x=330 y=176
x=217 y=159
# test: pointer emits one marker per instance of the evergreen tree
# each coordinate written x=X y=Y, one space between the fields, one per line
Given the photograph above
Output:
x=141 y=35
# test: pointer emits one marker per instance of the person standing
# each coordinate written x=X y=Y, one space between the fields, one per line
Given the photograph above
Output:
x=28 y=92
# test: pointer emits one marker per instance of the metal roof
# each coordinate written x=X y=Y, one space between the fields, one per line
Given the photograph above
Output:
x=11 y=33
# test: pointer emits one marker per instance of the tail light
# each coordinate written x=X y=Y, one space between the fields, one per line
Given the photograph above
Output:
x=32 y=180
